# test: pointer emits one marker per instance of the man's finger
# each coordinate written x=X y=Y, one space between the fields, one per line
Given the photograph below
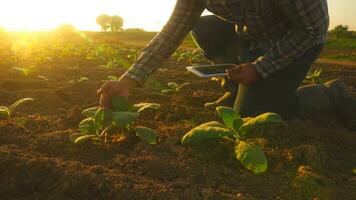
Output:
x=231 y=73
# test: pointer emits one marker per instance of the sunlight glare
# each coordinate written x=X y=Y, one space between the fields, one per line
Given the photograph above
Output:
x=30 y=15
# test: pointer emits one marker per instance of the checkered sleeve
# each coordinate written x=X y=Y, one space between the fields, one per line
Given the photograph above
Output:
x=182 y=20
x=310 y=22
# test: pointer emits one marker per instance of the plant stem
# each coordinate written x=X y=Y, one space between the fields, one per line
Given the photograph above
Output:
x=104 y=132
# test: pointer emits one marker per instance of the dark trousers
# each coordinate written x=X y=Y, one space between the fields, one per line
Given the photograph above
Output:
x=219 y=41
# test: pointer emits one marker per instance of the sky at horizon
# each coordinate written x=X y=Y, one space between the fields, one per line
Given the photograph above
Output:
x=42 y=15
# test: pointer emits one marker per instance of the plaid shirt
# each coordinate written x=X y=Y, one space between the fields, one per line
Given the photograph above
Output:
x=285 y=29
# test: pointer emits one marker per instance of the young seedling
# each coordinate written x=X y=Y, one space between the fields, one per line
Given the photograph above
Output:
x=174 y=88
x=6 y=112
x=235 y=129
x=25 y=71
x=112 y=78
x=191 y=57
x=79 y=80
x=43 y=77
x=100 y=121
x=314 y=76
x=116 y=62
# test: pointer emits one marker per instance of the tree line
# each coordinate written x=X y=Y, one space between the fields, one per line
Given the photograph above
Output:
x=113 y=23
x=342 y=32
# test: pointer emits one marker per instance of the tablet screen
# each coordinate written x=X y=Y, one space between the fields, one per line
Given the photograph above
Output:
x=214 y=69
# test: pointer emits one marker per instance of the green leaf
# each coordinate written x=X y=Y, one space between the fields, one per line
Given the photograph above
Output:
x=122 y=119
x=102 y=117
x=184 y=85
x=168 y=91
x=74 y=136
x=318 y=72
x=173 y=85
x=5 y=112
x=90 y=112
x=236 y=124
x=210 y=130
x=85 y=138
x=120 y=103
x=261 y=119
x=354 y=170
x=252 y=157
x=25 y=71
x=147 y=135
x=17 y=103
x=87 y=126
x=43 y=78
x=143 y=106
x=230 y=117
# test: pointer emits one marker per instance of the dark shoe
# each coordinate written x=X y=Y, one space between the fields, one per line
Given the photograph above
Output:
x=332 y=96
x=228 y=99
x=313 y=100
x=343 y=103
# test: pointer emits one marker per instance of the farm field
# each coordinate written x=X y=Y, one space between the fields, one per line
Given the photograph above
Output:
x=307 y=159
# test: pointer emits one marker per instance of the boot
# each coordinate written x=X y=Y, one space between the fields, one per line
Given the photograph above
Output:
x=228 y=99
x=331 y=97
x=344 y=104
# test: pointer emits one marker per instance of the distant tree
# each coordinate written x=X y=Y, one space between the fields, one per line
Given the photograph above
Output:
x=116 y=23
x=67 y=32
x=103 y=21
x=341 y=31
x=66 y=29
x=134 y=30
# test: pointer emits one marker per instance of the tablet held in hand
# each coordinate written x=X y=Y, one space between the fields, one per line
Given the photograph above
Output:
x=207 y=71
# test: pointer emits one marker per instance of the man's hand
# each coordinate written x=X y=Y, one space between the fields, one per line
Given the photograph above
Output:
x=244 y=74
x=111 y=88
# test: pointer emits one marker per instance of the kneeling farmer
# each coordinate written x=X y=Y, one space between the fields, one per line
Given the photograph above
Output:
x=273 y=44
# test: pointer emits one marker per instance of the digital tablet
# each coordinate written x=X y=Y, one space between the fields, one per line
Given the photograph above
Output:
x=207 y=71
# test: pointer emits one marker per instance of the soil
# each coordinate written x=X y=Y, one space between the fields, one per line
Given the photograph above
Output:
x=308 y=159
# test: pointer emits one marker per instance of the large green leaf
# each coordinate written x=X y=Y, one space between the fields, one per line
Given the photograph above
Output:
x=261 y=119
x=87 y=126
x=210 y=130
x=85 y=138
x=5 y=112
x=230 y=117
x=252 y=157
x=103 y=116
x=120 y=104
x=90 y=112
x=17 y=103
x=122 y=119
x=147 y=135
x=143 y=106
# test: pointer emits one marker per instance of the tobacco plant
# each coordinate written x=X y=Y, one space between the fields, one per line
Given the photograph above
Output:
x=6 y=112
x=25 y=71
x=175 y=88
x=100 y=121
x=191 y=57
x=314 y=77
x=235 y=129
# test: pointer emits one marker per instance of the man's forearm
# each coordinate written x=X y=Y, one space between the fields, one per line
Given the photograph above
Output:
x=185 y=14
